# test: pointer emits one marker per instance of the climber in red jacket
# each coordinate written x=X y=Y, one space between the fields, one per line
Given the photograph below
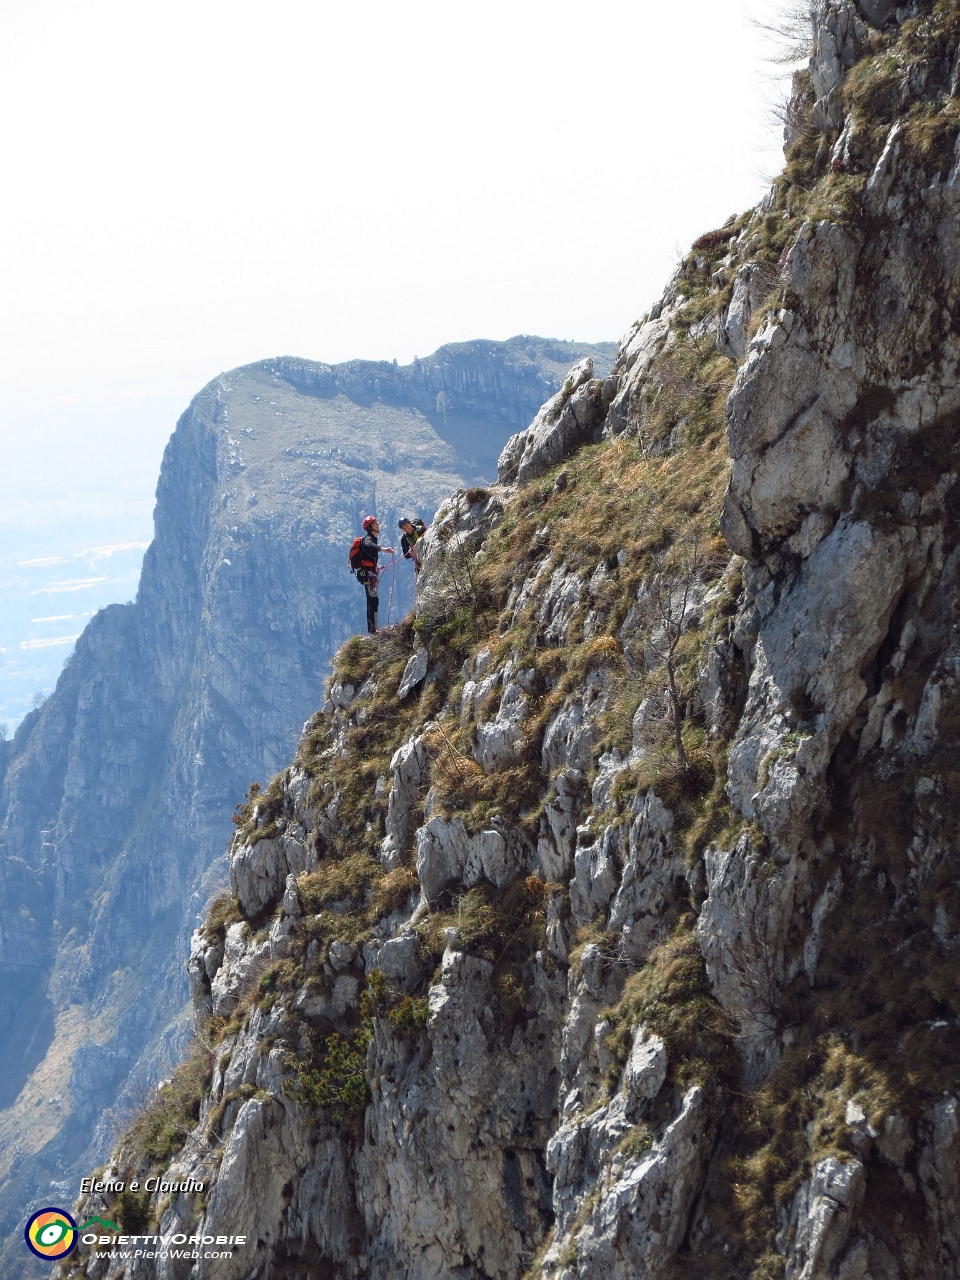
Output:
x=368 y=571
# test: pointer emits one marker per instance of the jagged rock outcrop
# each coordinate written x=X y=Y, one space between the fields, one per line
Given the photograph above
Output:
x=570 y=418
x=116 y=796
x=634 y=953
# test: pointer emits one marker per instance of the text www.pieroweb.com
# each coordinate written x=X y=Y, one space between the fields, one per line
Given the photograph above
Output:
x=128 y=1248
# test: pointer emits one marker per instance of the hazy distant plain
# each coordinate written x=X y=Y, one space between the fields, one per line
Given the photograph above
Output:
x=76 y=514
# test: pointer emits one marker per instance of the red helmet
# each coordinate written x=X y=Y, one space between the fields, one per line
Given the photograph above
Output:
x=368 y=522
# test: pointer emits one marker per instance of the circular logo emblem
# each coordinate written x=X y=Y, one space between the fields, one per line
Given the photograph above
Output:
x=51 y=1234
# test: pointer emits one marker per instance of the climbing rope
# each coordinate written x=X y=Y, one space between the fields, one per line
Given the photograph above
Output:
x=389 y=564
x=393 y=579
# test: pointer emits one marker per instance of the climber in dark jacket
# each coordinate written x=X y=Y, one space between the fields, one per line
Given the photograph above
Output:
x=369 y=574
x=413 y=531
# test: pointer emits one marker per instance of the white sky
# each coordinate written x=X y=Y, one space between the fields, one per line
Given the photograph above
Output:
x=197 y=184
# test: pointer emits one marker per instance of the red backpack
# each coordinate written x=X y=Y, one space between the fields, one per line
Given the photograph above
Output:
x=357 y=559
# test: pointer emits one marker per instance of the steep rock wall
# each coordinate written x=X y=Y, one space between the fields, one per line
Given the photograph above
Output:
x=605 y=924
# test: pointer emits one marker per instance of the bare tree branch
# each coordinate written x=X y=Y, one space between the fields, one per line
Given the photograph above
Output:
x=672 y=591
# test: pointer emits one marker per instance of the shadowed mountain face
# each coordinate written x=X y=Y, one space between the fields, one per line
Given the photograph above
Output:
x=116 y=794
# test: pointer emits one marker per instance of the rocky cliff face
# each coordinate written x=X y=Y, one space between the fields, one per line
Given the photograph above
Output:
x=116 y=796
x=605 y=923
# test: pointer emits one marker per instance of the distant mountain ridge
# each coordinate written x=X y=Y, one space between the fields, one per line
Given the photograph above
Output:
x=456 y=386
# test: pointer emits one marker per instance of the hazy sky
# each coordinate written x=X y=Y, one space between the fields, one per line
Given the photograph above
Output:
x=201 y=183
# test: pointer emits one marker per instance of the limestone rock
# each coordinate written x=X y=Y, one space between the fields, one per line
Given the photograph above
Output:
x=640 y=1207
x=558 y=826
x=409 y=767
x=400 y=959
x=243 y=961
x=568 y=739
x=259 y=870
x=447 y=854
x=820 y=1217
x=572 y=417
x=413 y=673
x=499 y=741
x=839 y=36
